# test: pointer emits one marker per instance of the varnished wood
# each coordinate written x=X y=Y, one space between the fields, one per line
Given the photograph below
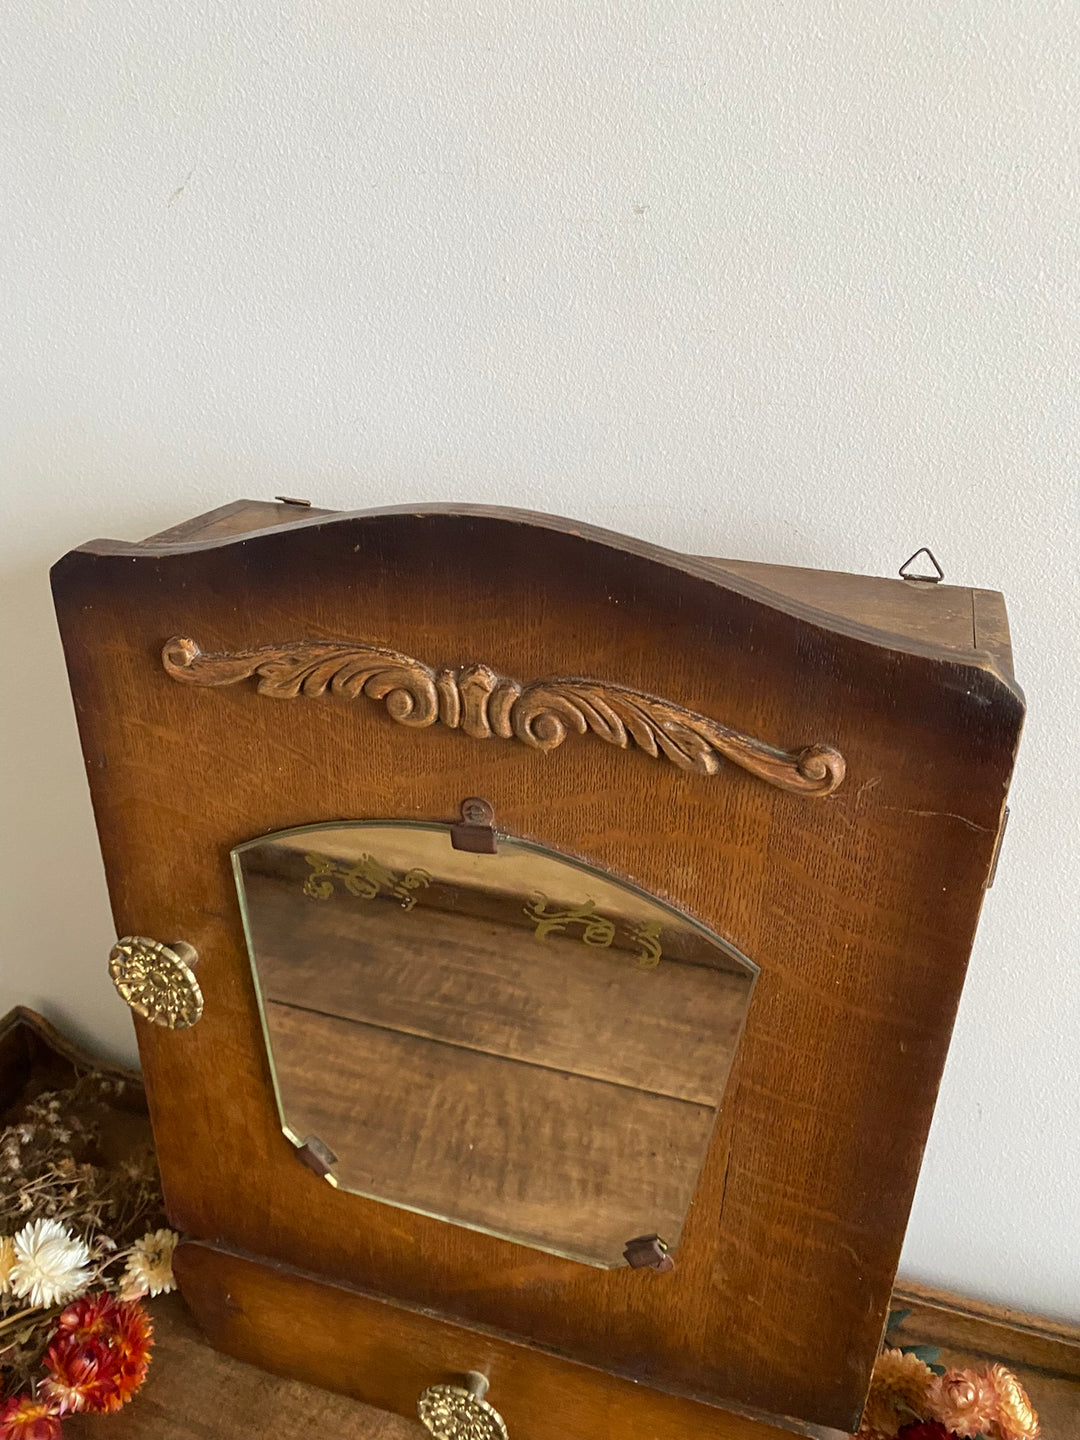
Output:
x=484 y=705
x=198 y=1393
x=237 y=518
x=390 y=1353
x=860 y=907
x=950 y=616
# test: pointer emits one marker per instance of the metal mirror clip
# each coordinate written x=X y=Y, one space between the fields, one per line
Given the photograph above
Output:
x=475 y=831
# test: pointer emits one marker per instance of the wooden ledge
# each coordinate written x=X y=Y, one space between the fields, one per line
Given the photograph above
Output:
x=195 y=1393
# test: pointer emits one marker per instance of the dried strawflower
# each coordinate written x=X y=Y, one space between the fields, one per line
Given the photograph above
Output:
x=81 y=1376
x=51 y=1264
x=134 y=1342
x=7 y=1263
x=963 y=1401
x=925 y=1430
x=899 y=1388
x=100 y=1353
x=91 y=1318
x=149 y=1267
x=24 y=1418
x=1015 y=1417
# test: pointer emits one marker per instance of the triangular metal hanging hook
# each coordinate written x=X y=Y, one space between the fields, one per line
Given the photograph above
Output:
x=905 y=568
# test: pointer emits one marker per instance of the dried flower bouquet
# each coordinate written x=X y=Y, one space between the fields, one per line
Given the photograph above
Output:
x=82 y=1242
x=912 y=1397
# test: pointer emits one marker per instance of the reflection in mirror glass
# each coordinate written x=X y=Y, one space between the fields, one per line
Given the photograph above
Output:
x=513 y=1042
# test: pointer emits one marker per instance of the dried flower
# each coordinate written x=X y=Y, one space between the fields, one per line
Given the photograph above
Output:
x=51 y=1265
x=100 y=1353
x=1015 y=1418
x=149 y=1267
x=24 y=1418
x=81 y=1376
x=925 y=1430
x=7 y=1263
x=963 y=1401
x=91 y=1318
x=898 y=1394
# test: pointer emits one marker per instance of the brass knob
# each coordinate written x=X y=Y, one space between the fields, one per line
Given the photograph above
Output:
x=456 y=1412
x=158 y=981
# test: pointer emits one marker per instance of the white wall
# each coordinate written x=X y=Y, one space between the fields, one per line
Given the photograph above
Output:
x=795 y=282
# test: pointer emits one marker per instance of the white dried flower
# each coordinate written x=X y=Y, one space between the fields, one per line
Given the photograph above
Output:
x=7 y=1263
x=51 y=1265
x=149 y=1267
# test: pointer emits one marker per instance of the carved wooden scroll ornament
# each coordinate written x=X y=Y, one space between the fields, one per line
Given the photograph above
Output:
x=475 y=699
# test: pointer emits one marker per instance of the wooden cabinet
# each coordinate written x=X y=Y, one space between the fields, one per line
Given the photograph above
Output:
x=810 y=767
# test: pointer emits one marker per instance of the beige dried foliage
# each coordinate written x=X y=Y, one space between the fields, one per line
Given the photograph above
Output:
x=53 y=1169
x=899 y=1391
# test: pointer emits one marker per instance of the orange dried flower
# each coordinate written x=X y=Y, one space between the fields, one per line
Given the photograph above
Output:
x=1015 y=1417
x=24 y=1418
x=963 y=1401
x=133 y=1341
x=99 y=1356
x=899 y=1390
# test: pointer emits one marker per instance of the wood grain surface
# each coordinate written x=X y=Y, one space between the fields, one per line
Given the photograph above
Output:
x=197 y=1393
x=572 y=1164
x=859 y=907
x=468 y=982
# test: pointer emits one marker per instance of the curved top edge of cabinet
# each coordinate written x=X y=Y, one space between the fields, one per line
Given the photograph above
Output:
x=245 y=523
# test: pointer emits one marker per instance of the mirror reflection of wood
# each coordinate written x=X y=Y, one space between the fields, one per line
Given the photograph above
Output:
x=512 y=1042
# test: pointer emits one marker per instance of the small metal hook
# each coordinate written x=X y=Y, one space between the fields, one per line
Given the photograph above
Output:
x=927 y=579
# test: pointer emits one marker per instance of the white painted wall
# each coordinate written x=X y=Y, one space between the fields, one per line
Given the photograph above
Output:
x=795 y=282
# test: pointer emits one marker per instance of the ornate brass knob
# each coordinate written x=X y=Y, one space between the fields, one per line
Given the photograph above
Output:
x=456 y=1412
x=158 y=981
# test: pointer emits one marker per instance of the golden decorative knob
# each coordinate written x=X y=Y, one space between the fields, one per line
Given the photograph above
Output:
x=456 y=1412
x=158 y=981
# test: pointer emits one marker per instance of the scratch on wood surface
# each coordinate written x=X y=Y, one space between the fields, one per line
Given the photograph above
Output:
x=941 y=815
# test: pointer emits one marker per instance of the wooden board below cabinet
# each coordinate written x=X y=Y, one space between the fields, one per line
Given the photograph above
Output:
x=198 y=1393
x=385 y=1354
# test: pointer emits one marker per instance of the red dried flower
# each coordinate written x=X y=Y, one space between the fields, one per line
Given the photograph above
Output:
x=82 y=1376
x=99 y=1355
x=24 y=1418
x=925 y=1430
x=91 y=1316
